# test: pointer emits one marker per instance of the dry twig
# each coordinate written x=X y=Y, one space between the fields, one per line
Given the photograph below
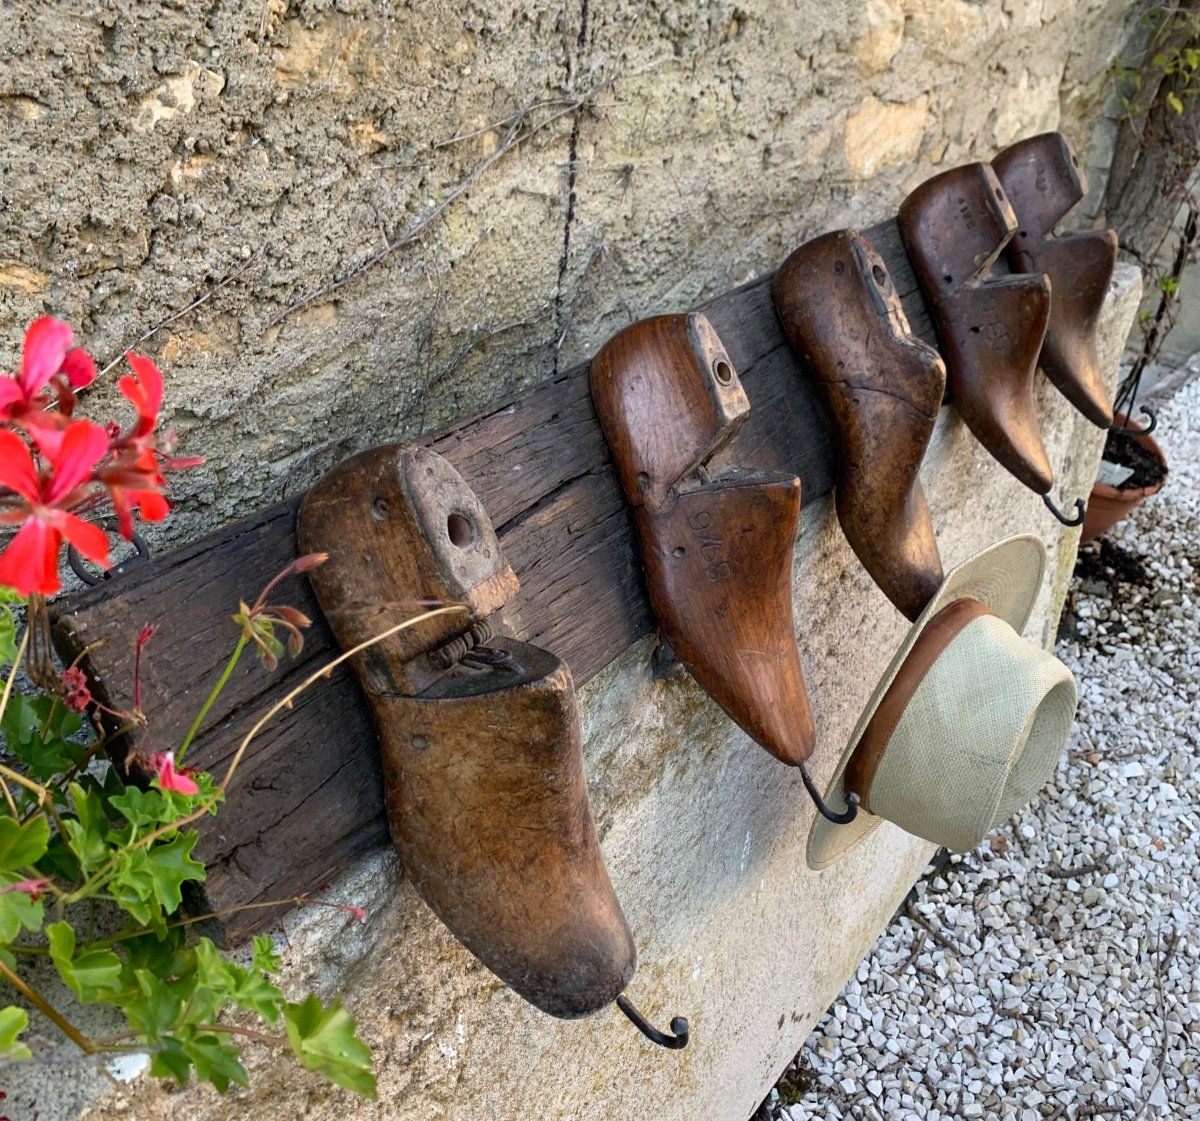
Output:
x=1164 y=964
x=936 y=935
x=180 y=313
x=516 y=135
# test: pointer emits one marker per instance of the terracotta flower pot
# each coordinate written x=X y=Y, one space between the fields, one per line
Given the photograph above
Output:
x=1107 y=504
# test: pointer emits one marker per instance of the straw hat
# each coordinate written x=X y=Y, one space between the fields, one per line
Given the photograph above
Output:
x=975 y=723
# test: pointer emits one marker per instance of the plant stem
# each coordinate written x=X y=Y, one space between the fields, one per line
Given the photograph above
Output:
x=8 y=684
x=44 y=797
x=48 y=1010
x=95 y=748
x=286 y=701
x=248 y=1033
x=216 y=692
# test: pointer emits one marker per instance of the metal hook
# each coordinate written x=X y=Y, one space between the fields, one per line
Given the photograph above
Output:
x=1129 y=430
x=1080 y=510
x=77 y=566
x=679 y=1026
x=838 y=819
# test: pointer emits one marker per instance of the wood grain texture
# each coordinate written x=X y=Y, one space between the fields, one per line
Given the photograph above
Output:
x=716 y=542
x=309 y=795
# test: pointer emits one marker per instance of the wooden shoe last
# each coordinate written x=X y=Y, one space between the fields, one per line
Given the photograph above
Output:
x=1043 y=182
x=884 y=387
x=716 y=546
x=990 y=328
x=480 y=737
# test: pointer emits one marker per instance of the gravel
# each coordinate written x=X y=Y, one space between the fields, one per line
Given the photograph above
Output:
x=1054 y=972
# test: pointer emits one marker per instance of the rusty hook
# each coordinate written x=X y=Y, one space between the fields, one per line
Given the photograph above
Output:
x=851 y=811
x=1080 y=510
x=679 y=1026
x=1129 y=430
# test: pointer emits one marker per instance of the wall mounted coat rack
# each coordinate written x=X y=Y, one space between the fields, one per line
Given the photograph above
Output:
x=309 y=796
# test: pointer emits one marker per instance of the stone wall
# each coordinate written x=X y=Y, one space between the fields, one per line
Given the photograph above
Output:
x=155 y=151
x=416 y=178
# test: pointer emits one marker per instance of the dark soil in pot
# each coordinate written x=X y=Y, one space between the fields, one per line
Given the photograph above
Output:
x=1148 y=469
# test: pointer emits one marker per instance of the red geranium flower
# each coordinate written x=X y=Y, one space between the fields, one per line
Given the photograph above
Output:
x=46 y=355
x=135 y=485
x=30 y=562
x=170 y=777
x=76 y=694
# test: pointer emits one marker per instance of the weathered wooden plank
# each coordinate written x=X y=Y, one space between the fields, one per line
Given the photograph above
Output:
x=307 y=797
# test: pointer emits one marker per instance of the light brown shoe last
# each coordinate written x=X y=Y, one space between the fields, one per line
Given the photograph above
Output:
x=884 y=387
x=1043 y=182
x=482 y=763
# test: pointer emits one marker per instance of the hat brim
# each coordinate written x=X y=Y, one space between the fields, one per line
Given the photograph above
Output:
x=1005 y=578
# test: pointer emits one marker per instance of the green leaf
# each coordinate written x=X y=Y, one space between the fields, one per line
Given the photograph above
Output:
x=142 y=807
x=1174 y=102
x=157 y=871
x=13 y=1021
x=93 y=976
x=266 y=956
x=171 y=1061
x=216 y=1060
x=324 y=1041
x=246 y=988
x=8 y=636
x=17 y=910
x=88 y=829
x=155 y=1008
x=22 y=846
x=38 y=731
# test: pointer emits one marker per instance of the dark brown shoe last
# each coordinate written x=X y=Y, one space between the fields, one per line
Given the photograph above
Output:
x=1043 y=182
x=716 y=548
x=990 y=328
x=482 y=762
x=884 y=387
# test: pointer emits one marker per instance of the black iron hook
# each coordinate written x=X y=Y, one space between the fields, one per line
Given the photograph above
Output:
x=1080 y=510
x=89 y=578
x=838 y=819
x=679 y=1026
x=1129 y=430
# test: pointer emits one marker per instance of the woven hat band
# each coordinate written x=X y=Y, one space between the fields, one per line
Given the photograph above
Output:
x=939 y=632
x=979 y=736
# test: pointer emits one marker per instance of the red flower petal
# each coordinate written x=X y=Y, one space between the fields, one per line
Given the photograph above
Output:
x=152 y=505
x=83 y=445
x=169 y=777
x=46 y=343
x=79 y=368
x=17 y=471
x=30 y=563
x=144 y=389
x=10 y=393
x=89 y=539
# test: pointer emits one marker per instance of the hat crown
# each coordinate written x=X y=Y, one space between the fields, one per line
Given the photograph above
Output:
x=992 y=710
